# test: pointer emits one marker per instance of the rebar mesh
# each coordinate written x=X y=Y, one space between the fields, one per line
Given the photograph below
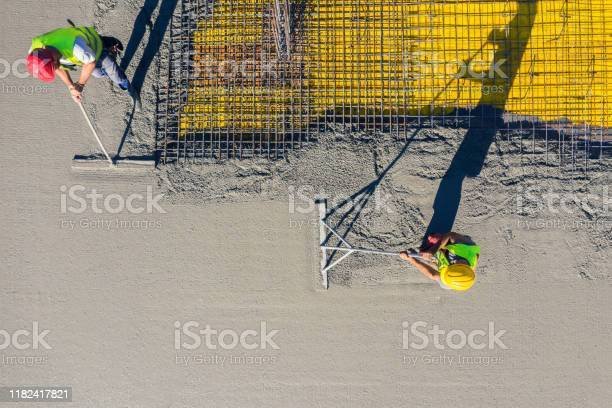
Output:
x=260 y=77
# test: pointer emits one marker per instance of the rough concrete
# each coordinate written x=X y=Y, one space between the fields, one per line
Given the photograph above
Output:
x=235 y=247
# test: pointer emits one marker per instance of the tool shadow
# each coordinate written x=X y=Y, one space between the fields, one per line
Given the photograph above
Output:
x=359 y=200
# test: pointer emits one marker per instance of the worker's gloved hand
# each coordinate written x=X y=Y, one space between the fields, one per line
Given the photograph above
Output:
x=76 y=91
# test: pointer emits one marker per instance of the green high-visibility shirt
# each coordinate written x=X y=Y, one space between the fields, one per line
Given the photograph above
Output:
x=466 y=251
x=64 y=39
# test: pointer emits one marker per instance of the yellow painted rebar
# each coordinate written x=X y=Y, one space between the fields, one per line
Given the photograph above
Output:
x=548 y=59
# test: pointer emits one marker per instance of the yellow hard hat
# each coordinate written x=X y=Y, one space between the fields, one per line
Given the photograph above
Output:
x=458 y=277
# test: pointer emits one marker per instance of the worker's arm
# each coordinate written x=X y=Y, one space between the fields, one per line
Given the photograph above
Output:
x=446 y=238
x=421 y=266
x=454 y=238
x=77 y=88
x=87 y=57
x=83 y=52
x=88 y=69
x=67 y=79
x=449 y=237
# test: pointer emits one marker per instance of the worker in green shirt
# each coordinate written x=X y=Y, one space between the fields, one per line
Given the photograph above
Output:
x=60 y=51
x=449 y=259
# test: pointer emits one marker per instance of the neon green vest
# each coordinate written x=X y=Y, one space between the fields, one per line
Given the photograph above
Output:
x=468 y=252
x=63 y=40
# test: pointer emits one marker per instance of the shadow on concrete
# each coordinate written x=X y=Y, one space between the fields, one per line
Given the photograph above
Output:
x=156 y=37
x=511 y=43
x=359 y=200
x=157 y=31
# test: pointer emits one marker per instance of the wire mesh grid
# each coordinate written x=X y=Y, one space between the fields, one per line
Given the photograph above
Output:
x=261 y=77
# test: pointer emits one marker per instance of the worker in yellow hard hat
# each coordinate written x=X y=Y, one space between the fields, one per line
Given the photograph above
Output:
x=455 y=257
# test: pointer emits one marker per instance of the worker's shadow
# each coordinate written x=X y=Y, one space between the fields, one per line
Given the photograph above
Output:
x=511 y=42
x=468 y=161
x=157 y=31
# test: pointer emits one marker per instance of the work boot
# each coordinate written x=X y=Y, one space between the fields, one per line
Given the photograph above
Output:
x=135 y=98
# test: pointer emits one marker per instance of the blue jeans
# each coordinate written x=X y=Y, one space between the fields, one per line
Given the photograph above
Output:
x=107 y=67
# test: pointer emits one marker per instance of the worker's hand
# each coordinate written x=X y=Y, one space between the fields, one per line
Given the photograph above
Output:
x=405 y=255
x=76 y=91
x=426 y=255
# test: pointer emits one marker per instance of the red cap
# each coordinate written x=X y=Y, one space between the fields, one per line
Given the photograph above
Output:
x=41 y=64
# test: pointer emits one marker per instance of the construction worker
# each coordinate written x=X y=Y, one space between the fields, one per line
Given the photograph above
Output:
x=64 y=49
x=455 y=256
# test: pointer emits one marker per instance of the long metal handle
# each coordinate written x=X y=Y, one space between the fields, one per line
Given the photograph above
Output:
x=369 y=251
x=95 y=134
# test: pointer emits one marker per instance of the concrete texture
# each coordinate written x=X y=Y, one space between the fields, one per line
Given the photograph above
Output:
x=233 y=245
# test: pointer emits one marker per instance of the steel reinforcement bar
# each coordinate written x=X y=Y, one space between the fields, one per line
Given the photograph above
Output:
x=252 y=78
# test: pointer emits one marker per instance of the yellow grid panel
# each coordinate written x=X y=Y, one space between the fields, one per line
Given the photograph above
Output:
x=364 y=60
